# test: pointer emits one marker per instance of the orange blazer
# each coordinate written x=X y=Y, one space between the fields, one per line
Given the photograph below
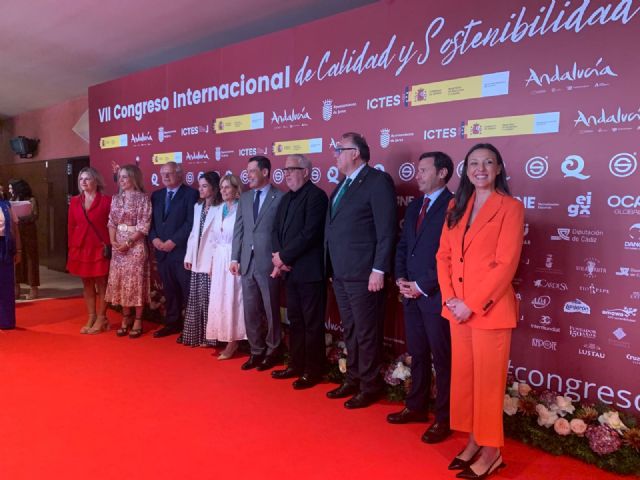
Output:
x=480 y=270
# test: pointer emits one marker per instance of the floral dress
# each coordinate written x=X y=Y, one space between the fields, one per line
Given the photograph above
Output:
x=128 y=283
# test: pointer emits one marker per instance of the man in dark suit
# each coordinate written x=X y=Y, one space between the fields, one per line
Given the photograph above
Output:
x=251 y=257
x=427 y=332
x=170 y=227
x=298 y=246
x=359 y=236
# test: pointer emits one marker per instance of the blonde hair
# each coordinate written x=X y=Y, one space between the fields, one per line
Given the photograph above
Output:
x=95 y=175
x=233 y=181
x=135 y=175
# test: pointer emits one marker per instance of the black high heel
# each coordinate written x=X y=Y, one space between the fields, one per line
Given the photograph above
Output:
x=126 y=325
x=136 y=332
x=459 y=464
x=471 y=475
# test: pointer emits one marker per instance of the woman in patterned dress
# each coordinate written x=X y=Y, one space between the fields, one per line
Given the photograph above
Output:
x=88 y=234
x=198 y=260
x=129 y=222
x=226 y=315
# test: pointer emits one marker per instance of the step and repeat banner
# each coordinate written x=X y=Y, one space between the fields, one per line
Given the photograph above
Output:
x=554 y=85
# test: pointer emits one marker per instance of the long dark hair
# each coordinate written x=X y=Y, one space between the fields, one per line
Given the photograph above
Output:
x=466 y=188
x=21 y=189
x=213 y=179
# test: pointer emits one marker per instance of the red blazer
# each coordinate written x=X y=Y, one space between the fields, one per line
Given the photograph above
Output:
x=480 y=271
x=81 y=235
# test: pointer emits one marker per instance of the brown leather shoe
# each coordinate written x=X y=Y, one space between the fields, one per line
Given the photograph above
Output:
x=437 y=432
x=407 y=416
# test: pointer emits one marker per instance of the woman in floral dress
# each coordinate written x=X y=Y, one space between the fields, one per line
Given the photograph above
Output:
x=129 y=222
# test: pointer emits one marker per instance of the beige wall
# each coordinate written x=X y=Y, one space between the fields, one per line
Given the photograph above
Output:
x=53 y=126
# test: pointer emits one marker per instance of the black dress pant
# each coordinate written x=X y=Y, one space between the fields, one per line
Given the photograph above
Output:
x=175 y=286
x=306 y=303
x=362 y=316
x=428 y=339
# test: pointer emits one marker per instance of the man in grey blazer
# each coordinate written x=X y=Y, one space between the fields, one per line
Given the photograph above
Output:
x=360 y=235
x=251 y=258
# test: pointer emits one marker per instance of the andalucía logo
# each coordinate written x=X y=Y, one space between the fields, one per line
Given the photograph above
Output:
x=620 y=119
x=574 y=73
x=577 y=306
x=138 y=139
x=197 y=156
x=290 y=116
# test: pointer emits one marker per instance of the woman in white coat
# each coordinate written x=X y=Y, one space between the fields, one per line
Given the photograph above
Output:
x=226 y=315
x=198 y=259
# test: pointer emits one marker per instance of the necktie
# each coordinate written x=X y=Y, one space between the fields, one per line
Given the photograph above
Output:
x=167 y=202
x=256 y=205
x=423 y=212
x=339 y=196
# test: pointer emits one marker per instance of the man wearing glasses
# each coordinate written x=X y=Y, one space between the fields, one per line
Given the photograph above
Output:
x=359 y=236
x=298 y=246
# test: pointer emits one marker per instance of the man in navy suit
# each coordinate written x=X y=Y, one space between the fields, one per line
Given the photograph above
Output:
x=427 y=332
x=170 y=227
x=360 y=234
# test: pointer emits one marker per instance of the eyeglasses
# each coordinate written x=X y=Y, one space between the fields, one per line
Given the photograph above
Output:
x=292 y=169
x=338 y=150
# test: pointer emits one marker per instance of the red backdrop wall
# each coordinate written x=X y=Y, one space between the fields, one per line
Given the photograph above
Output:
x=552 y=84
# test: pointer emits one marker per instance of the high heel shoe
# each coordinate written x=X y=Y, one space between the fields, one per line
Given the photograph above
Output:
x=228 y=352
x=90 y=321
x=136 y=332
x=100 y=325
x=459 y=464
x=468 y=473
x=127 y=321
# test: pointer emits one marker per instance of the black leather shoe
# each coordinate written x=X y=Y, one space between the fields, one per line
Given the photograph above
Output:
x=269 y=362
x=284 y=374
x=343 y=391
x=166 y=331
x=459 y=464
x=362 y=400
x=179 y=339
x=407 y=416
x=306 y=381
x=471 y=475
x=253 y=362
x=437 y=432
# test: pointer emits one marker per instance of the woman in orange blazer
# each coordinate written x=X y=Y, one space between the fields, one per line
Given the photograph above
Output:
x=477 y=260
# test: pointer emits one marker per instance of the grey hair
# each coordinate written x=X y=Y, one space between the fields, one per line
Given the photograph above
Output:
x=178 y=166
x=303 y=161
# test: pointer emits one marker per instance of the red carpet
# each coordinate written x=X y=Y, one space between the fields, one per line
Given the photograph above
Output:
x=100 y=407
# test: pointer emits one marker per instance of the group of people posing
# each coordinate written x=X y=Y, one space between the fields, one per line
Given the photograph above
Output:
x=224 y=256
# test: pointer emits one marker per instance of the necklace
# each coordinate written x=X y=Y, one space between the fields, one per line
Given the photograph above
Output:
x=226 y=211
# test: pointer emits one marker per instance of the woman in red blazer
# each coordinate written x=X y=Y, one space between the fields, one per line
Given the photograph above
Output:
x=477 y=260
x=88 y=234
